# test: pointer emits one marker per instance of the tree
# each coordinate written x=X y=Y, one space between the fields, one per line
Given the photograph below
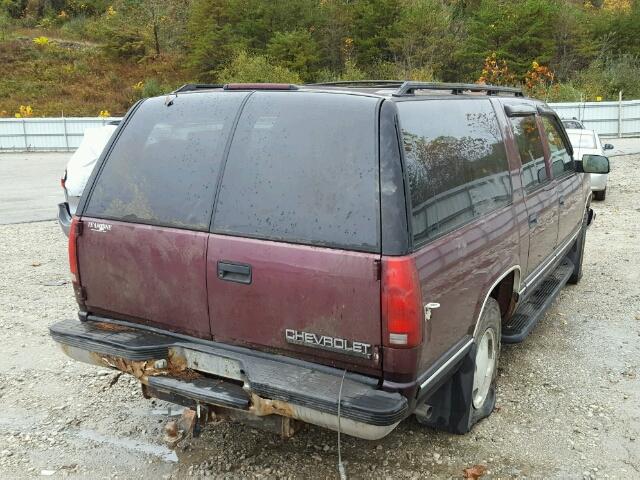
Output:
x=424 y=35
x=518 y=31
x=295 y=50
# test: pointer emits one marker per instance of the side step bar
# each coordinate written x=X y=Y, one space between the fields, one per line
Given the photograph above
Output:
x=529 y=313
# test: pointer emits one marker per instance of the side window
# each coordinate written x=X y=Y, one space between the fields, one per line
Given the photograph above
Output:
x=456 y=163
x=164 y=167
x=561 y=161
x=527 y=135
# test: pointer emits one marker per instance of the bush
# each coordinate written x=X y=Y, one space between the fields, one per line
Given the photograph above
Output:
x=606 y=77
x=245 y=68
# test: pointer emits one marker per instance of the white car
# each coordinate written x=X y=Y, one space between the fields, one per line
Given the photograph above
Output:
x=587 y=142
x=79 y=170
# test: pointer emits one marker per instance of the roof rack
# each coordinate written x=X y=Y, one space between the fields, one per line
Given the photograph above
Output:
x=190 y=87
x=358 y=83
x=409 y=88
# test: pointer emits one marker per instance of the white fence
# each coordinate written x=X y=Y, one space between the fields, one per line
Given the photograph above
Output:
x=45 y=134
x=609 y=119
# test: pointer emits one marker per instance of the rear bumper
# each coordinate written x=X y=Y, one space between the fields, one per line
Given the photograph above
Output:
x=234 y=377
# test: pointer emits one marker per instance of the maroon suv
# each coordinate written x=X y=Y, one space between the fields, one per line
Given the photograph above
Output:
x=340 y=254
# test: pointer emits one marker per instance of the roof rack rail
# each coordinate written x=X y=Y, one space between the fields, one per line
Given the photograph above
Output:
x=191 y=87
x=259 y=86
x=408 y=88
x=358 y=83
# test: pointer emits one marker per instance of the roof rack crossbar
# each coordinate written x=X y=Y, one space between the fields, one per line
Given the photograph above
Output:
x=408 y=88
x=191 y=87
x=358 y=83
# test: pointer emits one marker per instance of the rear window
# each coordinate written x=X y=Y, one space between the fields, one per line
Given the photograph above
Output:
x=582 y=140
x=455 y=161
x=303 y=168
x=164 y=167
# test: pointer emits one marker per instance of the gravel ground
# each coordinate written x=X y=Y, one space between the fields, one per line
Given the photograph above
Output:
x=567 y=402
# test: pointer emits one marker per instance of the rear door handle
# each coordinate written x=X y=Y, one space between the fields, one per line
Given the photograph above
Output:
x=234 y=272
x=561 y=200
x=533 y=220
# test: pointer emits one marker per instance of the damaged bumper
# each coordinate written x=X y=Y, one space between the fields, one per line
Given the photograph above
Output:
x=190 y=370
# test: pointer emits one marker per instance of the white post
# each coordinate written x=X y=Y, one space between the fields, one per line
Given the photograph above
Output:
x=620 y=114
x=24 y=133
x=66 y=137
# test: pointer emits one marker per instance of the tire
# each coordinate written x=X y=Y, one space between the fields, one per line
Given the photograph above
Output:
x=600 y=196
x=460 y=402
x=576 y=254
x=487 y=341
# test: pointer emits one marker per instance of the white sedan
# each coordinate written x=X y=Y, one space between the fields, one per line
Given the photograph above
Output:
x=587 y=142
x=79 y=170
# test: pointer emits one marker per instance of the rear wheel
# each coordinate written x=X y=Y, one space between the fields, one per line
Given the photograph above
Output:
x=470 y=394
x=600 y=195
x=487 y=339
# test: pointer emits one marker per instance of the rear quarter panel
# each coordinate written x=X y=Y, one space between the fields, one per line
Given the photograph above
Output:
x=458 y=270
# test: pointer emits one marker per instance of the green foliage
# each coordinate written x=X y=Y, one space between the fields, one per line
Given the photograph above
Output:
x=296 y=50
x=245 y=68
x=518 y=31
x=13 y=8
x=591 y=48
x=606 y=77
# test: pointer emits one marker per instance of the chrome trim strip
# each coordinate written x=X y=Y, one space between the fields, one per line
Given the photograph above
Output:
x=516 y=288
x=454 y=358
x=543 y=268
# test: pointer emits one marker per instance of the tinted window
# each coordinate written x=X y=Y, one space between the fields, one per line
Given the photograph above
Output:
x=303 y=168
x=164 y=167
x=527 y=135
x=455 y=161
x=561 y=161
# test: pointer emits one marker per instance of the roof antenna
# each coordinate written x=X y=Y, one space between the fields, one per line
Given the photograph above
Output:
x=341 y=469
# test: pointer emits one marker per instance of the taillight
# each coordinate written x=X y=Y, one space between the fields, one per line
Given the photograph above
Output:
x=401 y=303
x=73 y=253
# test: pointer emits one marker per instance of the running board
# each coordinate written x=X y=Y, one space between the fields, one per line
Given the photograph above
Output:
x=533 y=308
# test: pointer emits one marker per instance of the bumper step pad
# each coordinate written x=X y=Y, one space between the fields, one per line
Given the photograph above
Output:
x=269 y=376
x=529 y=313
x=204 y=390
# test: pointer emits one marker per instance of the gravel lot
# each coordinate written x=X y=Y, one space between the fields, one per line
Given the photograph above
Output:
x=568 y=400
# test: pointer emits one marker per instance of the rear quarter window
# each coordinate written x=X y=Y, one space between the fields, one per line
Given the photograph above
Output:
x=164 y=167
x=456 y=163
x=303 y=168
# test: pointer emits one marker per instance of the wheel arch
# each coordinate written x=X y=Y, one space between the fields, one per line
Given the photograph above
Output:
x=502 y=289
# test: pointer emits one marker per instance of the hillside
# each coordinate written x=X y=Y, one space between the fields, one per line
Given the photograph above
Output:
x=89 y=56
x=76 y=78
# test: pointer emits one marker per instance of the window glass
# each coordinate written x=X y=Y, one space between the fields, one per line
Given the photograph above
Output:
x=561 y=161
x=456 y=163
x=527 y=135
x=164 y=167
x=583 y=139
x=303 y=168
x=572 y=124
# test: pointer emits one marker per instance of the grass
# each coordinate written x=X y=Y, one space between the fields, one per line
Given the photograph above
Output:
x=75 y=77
